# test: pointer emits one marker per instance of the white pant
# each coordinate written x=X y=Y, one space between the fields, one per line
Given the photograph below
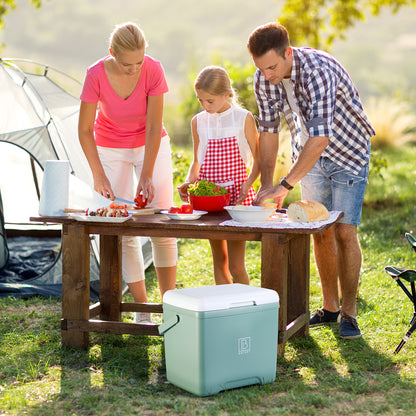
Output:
x=123 y=168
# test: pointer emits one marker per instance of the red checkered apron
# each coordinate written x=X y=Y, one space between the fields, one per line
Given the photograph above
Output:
x=224 y=166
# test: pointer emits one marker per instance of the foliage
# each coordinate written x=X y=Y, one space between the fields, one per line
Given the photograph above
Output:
x=7 y=5
x=394 y=121
x=318 y=23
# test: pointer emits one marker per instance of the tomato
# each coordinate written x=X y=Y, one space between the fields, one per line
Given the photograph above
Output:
x=140 y=202
x=186 y=209
x=174 y=210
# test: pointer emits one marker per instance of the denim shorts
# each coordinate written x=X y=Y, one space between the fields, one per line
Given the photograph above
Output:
x=336 y=188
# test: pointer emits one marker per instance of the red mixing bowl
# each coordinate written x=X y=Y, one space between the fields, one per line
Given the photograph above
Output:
x=209 y=203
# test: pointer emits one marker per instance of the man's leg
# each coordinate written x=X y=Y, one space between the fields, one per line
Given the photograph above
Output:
x=349 y=266
x=325 y=252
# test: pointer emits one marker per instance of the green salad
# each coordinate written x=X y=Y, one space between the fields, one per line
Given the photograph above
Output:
x=206 y=188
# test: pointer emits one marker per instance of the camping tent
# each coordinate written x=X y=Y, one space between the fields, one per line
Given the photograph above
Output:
x=38 y=122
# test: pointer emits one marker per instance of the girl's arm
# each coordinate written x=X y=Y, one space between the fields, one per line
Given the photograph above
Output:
x=86 y=120
x=252 y=137
x=153 y=138
x=194 y=168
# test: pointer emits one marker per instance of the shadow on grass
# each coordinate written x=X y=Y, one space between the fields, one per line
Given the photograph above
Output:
x=328 y=370
x=114 y=369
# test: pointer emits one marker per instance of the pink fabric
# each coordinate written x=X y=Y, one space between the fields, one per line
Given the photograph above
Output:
x=122 y=123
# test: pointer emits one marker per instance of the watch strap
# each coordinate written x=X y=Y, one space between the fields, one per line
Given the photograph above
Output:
x=285 y=184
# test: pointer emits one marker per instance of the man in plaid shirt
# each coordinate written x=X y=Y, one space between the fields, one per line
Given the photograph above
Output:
x=330 y=136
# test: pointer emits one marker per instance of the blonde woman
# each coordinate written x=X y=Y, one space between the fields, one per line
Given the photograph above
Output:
x=124 y=137
x=225 y=140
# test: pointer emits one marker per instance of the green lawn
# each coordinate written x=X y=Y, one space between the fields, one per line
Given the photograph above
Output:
x=320 y=375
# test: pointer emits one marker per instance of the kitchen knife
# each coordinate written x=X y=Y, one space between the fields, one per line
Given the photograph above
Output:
x=124 y=200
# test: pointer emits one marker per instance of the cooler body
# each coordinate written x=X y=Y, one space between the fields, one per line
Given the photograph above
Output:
x=231 y=342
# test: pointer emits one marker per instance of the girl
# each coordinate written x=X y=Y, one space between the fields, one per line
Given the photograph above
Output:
x=127 y=138
x=224 y=139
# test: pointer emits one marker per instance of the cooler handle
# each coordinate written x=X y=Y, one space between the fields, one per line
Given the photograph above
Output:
x=243 y=303
x=163 y=328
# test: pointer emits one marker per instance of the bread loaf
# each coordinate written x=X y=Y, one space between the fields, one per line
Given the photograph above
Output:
x=307 y=211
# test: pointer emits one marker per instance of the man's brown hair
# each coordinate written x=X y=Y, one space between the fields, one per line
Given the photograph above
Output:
x=267 y=37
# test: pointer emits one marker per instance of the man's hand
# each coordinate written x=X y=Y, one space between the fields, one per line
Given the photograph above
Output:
x=277 y=193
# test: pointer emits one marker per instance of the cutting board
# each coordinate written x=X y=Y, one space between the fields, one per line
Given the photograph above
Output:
x=134 y=212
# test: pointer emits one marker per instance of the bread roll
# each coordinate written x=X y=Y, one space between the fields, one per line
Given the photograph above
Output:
x=307 y=211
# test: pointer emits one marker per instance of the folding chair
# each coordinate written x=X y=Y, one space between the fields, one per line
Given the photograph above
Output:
x=409 y=275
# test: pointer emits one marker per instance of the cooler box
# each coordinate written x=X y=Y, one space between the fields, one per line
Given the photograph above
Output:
x=220 y=337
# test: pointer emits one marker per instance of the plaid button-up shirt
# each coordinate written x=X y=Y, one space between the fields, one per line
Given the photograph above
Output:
x=329 y=106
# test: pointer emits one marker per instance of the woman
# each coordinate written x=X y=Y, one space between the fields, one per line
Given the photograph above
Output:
x=127 y=138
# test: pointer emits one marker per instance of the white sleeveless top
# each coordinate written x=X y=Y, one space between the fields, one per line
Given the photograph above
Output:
x=219 y=125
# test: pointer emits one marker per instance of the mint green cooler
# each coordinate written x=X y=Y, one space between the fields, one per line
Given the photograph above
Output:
x=220 y=337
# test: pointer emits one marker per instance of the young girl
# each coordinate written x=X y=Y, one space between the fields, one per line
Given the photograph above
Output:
x=224 y=137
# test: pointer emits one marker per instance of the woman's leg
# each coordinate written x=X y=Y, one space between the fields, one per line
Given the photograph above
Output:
x=118 y=167
x=220 y=259
x=236 y=261
x=165 y=251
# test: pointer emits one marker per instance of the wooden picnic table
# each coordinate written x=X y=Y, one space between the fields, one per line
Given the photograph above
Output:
x=285 y=263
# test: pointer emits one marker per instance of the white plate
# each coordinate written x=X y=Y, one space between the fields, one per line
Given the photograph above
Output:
x=187 y=217
x=99 y=218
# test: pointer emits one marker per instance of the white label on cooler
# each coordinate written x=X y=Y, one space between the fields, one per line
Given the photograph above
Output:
x=244 y=345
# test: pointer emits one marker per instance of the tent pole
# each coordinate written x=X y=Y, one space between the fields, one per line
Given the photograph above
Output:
x=35 y=177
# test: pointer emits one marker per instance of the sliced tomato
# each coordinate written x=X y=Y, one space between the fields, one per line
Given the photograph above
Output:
x=186 y=209
x=140 y=201
x=174 y=210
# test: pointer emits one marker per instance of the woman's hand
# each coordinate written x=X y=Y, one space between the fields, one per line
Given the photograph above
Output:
x=146 y=188
x=183 y=191
x=103 y=187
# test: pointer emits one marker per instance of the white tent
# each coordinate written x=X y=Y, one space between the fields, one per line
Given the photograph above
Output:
x=38 y=122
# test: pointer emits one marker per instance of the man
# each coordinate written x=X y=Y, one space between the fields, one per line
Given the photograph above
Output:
x=330 y=155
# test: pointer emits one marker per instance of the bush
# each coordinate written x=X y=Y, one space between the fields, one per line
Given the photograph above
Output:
x=393 y=120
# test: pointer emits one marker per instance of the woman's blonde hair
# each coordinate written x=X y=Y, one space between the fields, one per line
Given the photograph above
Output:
x=215 y=81
x=127 y=37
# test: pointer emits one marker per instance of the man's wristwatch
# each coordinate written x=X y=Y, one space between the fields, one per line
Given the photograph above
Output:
x=285 y=184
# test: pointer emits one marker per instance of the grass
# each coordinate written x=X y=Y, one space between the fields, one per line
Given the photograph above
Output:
x=320 y=375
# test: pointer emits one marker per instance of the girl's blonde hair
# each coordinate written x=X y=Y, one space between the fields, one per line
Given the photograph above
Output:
x=127 y=37
x=215 y=81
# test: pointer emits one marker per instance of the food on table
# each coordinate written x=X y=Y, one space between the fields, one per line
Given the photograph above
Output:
x=307 y=211
x=206 y=188
x=174 y=210
x=140 y=202
x=186 y=209
x=269 y=205
x=183 y=209
x=113 y=210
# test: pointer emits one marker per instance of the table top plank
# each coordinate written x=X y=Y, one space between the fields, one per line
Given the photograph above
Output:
x=208 y=226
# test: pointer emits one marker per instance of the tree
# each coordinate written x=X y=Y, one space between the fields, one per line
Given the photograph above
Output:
x=317 y=23
x=7 y=5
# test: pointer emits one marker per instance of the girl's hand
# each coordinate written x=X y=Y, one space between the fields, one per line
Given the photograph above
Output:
x=243 y=193
x=146 y=188
x=183 y=191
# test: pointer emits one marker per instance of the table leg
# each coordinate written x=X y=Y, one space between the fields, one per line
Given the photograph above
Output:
x=110 y=278
x=298 y=281
x=75 y=283
x=285 y=268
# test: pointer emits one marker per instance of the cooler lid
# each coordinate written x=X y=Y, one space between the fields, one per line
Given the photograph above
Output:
x=210 y=298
